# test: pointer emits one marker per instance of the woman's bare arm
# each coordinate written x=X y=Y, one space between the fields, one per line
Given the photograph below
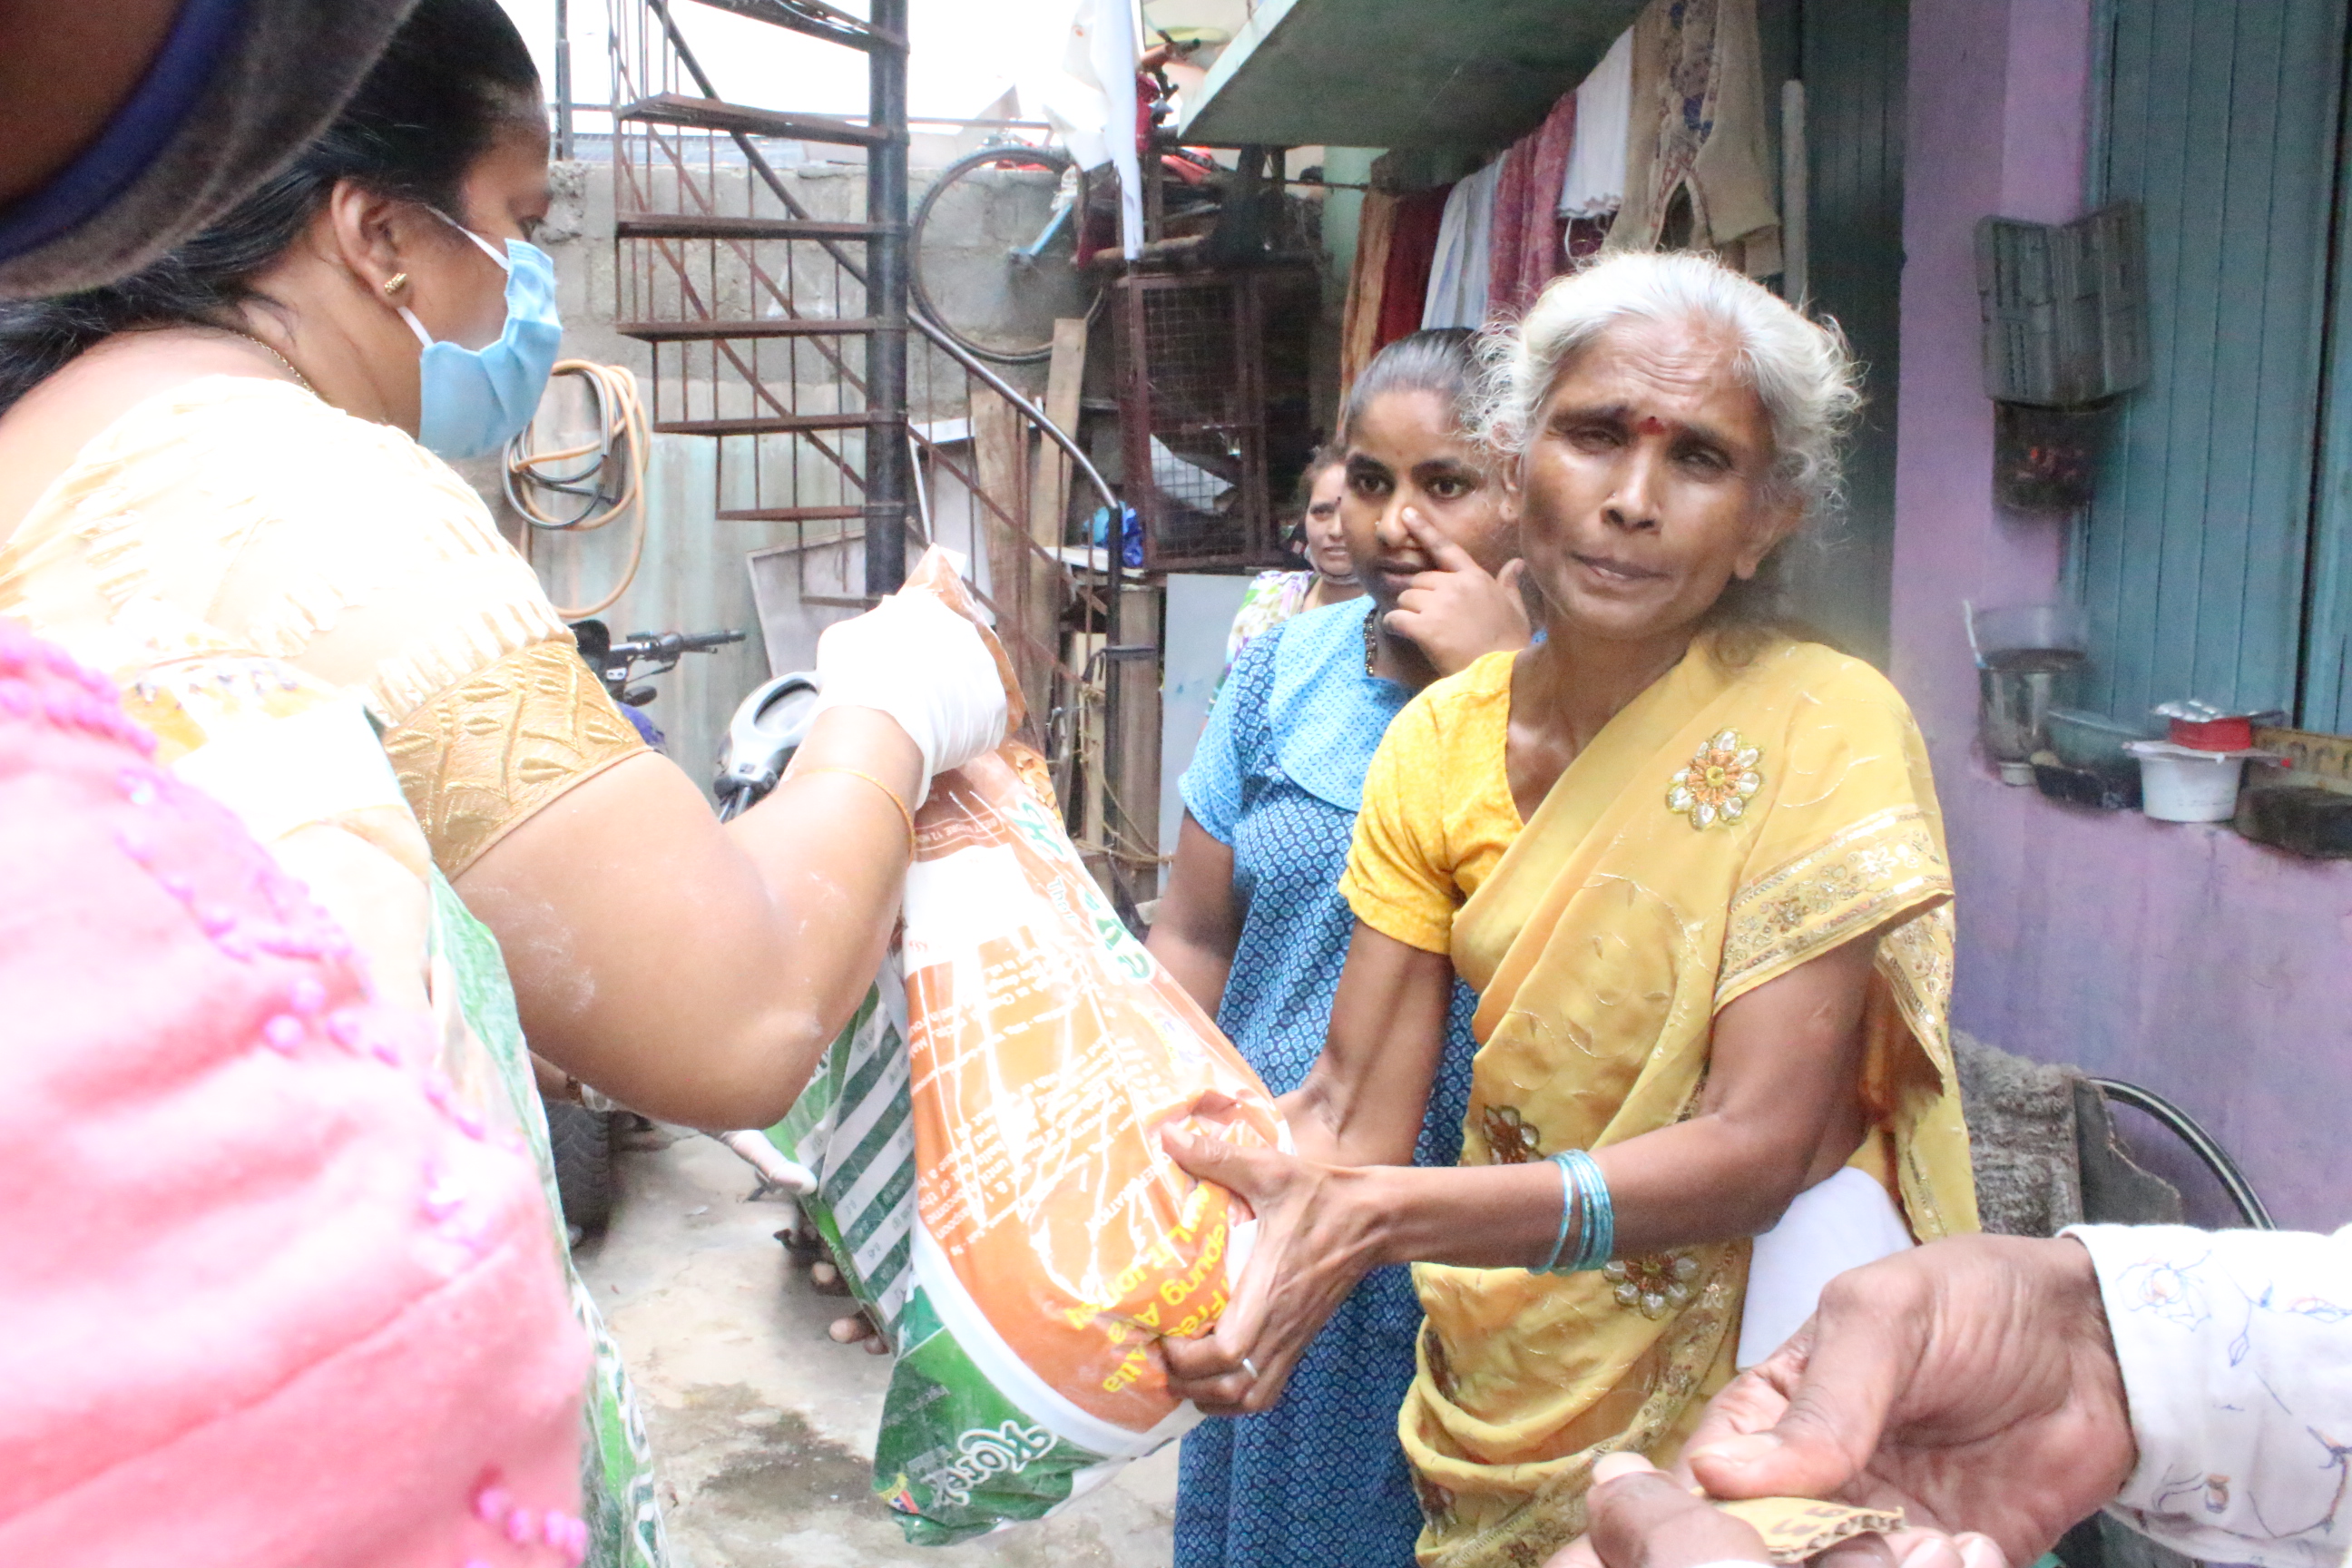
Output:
x=1784 y=1075
x=1781 y=1109
x=1199 y=921
x=1364 y=1099
x=692 y=971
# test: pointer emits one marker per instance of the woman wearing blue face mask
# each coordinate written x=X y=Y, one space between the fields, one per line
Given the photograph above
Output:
x=238 y=451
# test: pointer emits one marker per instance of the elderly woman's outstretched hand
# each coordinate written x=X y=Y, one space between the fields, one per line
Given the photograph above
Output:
x=1312 y=1247
x=1972 y=1382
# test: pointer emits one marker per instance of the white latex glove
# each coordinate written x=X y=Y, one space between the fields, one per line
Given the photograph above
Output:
x=925 y=667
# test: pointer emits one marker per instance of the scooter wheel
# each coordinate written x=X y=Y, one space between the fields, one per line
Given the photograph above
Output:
x=582 y=1142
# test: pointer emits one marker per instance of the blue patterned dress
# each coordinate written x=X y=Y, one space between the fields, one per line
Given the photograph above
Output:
x=1318 y=1481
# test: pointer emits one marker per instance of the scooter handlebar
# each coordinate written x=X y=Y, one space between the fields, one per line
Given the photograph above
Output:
x=669 y=645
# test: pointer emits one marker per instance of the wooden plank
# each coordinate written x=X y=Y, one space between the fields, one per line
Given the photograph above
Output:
x=1022 y=591
x=1137 y=785
x=1083 y=646
x=1049 y=492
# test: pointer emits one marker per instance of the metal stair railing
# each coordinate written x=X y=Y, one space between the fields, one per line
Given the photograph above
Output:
x=704 y=286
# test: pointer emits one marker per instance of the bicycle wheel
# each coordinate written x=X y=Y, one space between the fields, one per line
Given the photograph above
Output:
x=993 y=251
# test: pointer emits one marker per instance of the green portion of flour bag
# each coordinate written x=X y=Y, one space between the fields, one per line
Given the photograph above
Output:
x=956 y=1458
x=853 y=1127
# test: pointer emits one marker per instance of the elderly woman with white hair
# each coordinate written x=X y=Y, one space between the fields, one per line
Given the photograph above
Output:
x=1693 y=865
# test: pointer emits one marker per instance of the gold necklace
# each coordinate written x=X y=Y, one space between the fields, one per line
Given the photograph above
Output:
x=273 y=353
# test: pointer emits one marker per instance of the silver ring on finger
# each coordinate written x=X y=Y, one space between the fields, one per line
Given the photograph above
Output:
x=1251 y=1367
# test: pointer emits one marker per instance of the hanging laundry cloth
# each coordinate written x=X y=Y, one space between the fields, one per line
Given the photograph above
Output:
x=1413 y=247
x=1526 y=240
x=1696 y=167
x=1359 y=327
x=1594 y=184
x=1514 y=186
x=1457 y=275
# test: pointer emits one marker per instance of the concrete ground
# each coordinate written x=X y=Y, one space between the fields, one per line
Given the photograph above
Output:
x=763 y=1427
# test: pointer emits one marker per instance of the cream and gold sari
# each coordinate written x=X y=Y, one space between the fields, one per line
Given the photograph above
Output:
x=1728 y=826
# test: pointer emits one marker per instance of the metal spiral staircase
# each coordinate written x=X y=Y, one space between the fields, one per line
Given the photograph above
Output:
x=781 y=328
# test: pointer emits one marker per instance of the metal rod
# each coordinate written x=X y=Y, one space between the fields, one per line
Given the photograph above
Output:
x=563 y=79
x=2200 y=1143
x=947 y=345
x=886 y=298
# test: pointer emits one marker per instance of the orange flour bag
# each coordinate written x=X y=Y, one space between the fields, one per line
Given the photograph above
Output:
x=1054 y=1239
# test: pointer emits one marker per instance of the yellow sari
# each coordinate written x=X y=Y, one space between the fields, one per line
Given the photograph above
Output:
x=1730 y=823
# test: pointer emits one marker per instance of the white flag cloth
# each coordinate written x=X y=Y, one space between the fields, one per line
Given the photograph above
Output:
x=1092 y=106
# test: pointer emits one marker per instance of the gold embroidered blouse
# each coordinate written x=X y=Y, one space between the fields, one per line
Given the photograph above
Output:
x=242 y=515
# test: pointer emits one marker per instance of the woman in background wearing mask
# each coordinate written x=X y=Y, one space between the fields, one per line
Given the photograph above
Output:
x=236 y=453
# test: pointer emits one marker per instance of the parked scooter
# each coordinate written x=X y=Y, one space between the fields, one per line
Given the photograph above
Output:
x=768 y=727
x=580 y=1135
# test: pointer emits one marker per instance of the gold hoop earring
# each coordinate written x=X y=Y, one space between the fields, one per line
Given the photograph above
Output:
x=394 y=284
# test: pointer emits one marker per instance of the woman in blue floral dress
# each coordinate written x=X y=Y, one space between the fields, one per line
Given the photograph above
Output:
x=1254 y=928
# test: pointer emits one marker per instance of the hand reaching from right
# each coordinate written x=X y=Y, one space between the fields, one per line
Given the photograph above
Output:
x=1972 y=1382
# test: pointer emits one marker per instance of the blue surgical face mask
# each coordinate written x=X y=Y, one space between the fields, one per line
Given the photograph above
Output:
x=471 y=402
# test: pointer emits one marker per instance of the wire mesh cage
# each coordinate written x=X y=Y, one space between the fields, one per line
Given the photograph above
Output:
x=1215 y=410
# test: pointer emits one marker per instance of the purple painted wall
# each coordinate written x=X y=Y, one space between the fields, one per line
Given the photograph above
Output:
x=2179 y=957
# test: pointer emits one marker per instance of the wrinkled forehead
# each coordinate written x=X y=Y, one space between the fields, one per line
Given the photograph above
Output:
x=1669 y=370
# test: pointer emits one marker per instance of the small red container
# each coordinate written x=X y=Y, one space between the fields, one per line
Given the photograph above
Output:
x=2235 y=733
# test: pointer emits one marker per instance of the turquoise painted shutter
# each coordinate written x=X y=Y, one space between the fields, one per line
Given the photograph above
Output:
x=2327 y=618
x=2221 y=118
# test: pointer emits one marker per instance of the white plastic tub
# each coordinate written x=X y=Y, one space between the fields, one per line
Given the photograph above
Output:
x=2177 y=783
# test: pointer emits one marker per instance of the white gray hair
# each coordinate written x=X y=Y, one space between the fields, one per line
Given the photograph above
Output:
x=1801 y=370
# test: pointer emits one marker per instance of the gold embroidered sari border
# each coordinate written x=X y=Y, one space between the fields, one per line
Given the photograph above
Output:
x=1860 y=877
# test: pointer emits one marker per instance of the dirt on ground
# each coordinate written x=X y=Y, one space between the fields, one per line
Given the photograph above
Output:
x=763 y=1427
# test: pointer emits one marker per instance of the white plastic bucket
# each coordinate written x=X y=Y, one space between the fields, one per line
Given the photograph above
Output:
x=2175 y=788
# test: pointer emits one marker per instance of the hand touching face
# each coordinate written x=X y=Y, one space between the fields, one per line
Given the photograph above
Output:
x=1405 y=455
x=1646 y=486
